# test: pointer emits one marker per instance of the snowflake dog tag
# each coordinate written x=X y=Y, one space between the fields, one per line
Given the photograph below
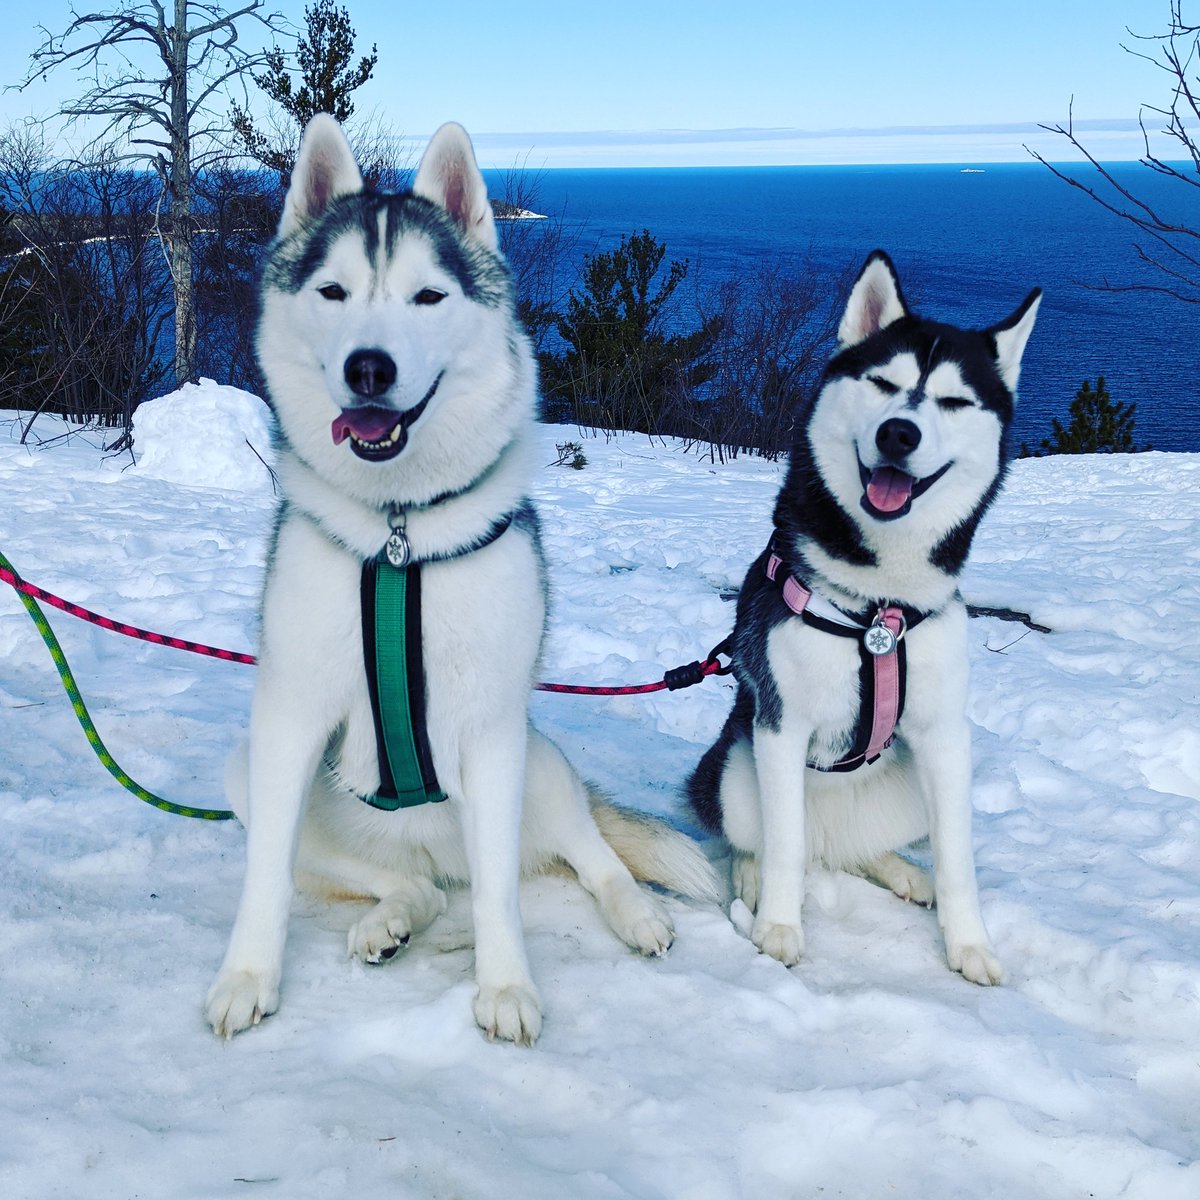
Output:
x=396 y=548
x=879 y=639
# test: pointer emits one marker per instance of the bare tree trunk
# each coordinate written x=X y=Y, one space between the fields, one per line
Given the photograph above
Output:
x=180 y=188
x=165 y=109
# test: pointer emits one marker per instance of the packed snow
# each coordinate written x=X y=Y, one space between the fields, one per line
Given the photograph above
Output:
x=714 y=1074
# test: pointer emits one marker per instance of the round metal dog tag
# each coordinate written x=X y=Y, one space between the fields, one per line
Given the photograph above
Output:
x=397 y=548
x=879 y=639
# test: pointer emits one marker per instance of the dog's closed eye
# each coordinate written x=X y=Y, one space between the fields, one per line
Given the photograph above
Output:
x=886 y=386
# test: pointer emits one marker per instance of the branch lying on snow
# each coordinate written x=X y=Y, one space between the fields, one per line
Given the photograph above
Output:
x=1006 y=614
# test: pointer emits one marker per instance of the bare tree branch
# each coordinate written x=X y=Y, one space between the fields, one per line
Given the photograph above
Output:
x=153 y=80
x=1171 y=245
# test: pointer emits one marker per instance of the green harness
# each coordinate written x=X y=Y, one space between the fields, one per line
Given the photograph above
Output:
x=391 y=625
x=391 y=600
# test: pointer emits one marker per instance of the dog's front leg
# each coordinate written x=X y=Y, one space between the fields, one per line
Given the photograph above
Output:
x=493 y=778
x=779 y=757
x=283 y=757
x=944 y=766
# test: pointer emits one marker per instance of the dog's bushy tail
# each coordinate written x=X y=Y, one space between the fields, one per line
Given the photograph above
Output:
x=656 y=853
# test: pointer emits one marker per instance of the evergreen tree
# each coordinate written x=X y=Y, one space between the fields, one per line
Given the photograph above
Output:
x=1098 y=426
x=328 y=76
x=620 y=363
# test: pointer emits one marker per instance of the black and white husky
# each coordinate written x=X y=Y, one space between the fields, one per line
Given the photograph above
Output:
x=848 y=738
x=404 y=390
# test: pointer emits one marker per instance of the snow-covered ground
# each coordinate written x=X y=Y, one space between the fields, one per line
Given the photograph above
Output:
x=867 y=1071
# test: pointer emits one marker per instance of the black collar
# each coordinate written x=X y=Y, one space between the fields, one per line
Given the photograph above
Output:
x=398 y=552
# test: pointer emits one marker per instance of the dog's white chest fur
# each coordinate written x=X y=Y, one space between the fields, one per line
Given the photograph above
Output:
x=313 y=624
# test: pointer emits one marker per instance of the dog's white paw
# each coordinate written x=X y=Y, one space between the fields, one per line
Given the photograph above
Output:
x=784 y=942
x=380 y=932
x=975 y=962
x=637 y=918
x=652 y=935
x=744 y=875
x=513 y=1013
x=651 y=931
x=916 y=887
x=239 y=999
x=909 y=881
x=378 y=935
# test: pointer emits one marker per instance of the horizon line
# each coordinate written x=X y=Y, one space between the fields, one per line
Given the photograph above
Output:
x=735 y=133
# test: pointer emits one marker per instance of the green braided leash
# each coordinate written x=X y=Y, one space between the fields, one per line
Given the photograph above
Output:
x=89 y=728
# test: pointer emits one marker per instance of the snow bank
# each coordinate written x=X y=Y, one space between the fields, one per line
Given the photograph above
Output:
x=205 y=435
x=715 y=1074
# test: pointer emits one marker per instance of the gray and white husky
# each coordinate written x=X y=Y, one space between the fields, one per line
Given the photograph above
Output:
x=848 y=738
x=404 y=390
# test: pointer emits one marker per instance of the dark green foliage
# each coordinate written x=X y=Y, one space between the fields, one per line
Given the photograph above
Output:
x=570 y=454
x=1098 y=426
x=328 y=76
x=621 y=368
x=733 y=376
x=240 y=210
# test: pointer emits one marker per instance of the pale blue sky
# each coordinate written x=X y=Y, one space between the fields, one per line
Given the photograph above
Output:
x=761 y=81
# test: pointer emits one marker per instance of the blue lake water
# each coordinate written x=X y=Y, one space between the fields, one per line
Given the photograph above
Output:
x=968 y=247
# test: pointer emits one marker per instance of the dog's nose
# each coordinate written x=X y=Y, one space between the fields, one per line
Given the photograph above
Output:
x=370 y=373
x=897 y=438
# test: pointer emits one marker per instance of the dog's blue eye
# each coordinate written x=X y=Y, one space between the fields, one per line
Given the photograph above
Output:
x=953 y=402
x=884 y=385
x=332 y=291
x=429 y=296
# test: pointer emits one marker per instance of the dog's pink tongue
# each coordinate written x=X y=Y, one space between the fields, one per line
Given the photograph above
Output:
x=888 y=489
x=369 y=423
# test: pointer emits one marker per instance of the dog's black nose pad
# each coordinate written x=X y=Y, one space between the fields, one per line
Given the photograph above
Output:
x=370 y=373
x=897 y=438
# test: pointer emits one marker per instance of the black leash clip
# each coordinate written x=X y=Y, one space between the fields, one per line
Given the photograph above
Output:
x=696 y=672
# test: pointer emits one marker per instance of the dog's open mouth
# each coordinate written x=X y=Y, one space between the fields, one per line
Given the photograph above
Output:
x=888 y=492
x=377 y=433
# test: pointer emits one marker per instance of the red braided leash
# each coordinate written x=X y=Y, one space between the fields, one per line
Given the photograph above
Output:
x=673 y=680
x=145 y=635
x=680 y=677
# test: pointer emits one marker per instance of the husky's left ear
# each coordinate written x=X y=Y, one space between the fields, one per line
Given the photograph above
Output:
x=449 y=176
x=1010 y=337
x=325 y=169
x=875 y=301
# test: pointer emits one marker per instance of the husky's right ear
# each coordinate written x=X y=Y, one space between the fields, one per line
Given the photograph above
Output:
x=875 y=301
x=449 y=176
x=325 y=169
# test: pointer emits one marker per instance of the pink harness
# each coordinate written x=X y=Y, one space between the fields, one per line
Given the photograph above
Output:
x=882 y=664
